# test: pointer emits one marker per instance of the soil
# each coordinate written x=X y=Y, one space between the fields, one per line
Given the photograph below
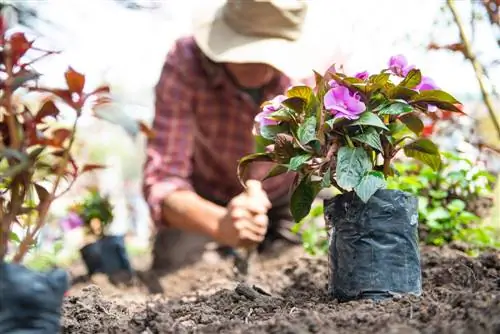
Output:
x=287 y=293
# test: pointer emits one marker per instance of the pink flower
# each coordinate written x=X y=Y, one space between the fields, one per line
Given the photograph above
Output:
x=263 y=117
x=343 y=104
x=362 y=75
x=399 y=65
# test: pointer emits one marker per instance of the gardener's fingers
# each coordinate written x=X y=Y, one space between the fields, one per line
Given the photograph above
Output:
x=258 y=203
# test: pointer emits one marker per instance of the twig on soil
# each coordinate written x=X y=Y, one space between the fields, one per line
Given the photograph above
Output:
x=248 y=315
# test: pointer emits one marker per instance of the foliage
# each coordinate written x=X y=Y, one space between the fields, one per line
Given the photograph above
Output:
x=446 y=199
x=347 y=130
x=314 y=235
x=35 y=156
x=94 y=208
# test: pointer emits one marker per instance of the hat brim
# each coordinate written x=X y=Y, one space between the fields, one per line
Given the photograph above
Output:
x=220 y=43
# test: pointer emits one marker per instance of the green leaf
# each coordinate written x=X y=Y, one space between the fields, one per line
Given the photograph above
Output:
x=302 y=198
x=396 y=108
x=352 y=164
x=297 y=161
x=332 y=121
x=275 y=171
x=438 y=213
x=379 y=79
x=303 y=92
x=433 y=96
x=261 y=143
x=369 y=185
x=425 y=151
x=283 y=114
x=369 y=118
x=327 y=179
x=412 y=79
x=399 y=92
x=370 y=137
x=307 y=130
x=14 y=237
x=270 y=131
x=456 y=206
x=244 y=162
x=296 y=104
x=413 y=122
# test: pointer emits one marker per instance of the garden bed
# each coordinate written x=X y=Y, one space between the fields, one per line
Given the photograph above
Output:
x=461 y=295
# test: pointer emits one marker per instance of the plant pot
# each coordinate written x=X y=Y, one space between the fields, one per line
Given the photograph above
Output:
x=115 y=260
x=91 y=256
x=373 y=250
x=109 y=256
x=30 y=301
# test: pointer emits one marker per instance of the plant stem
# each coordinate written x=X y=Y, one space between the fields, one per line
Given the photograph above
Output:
x=45 y=205
x=468 y=54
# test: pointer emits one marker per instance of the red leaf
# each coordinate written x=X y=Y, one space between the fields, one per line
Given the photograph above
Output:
x=59 y=136
x=20 y=45
x=48 y=109
x=75 y=81
x=101 y=90
x=91 y=167
x=146 y=130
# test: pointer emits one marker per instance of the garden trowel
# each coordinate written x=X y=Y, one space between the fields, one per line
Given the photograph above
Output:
x=242 y=255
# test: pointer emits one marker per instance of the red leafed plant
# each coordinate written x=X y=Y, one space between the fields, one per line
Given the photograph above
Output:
x=36 y=165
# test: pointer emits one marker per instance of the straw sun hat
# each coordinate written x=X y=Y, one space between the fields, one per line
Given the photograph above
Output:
x=256 y=31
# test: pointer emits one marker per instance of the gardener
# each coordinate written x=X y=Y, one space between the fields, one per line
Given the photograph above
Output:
x=209 y=91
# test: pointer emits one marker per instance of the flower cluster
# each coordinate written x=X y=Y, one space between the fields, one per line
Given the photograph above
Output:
x=347 y=130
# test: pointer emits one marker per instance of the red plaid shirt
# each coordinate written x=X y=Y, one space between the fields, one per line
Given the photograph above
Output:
x=203 y=126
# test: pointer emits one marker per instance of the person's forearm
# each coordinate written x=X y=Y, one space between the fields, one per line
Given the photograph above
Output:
x=188 y=211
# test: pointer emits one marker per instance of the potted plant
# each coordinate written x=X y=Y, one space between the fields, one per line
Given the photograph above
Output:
x=102 y=253
x=36 y=167
x=345 y=133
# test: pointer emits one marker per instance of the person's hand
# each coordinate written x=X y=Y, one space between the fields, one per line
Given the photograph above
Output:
x=245 y=222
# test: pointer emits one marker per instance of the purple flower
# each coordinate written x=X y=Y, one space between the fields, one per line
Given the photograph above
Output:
x=399 y=65
x=268 y=109
x=343 y=104
x=362 y=75
x=71 y=222
x=426 y=84
x=332 y=83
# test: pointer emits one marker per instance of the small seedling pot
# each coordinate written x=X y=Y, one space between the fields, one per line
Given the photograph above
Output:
x=373 y=246
x=30 y=301
x=91 y=256
x=108 y=255
x=115 y=260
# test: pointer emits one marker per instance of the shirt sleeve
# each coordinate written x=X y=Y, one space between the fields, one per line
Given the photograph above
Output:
x=168 y=166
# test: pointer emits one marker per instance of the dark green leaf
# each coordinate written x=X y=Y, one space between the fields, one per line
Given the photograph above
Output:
x=244 y=162
x=327 y=179
x=283 y=114
x=396 y=108
x=283 y=147
x=370 y=183
x=352 y=164
x=297 y=104
x=413 y=122
x=399 y=92
x=370 y=137
x=369 y=118
x=307 y=130
x=433 y=96
x=261 y=143
x=412 y=79
x=302 y=198
x=425 y=151
x=297 y=161
x=276 y=170
x=270 y=131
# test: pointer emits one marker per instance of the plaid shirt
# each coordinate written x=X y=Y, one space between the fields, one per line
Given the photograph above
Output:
x=203 y=126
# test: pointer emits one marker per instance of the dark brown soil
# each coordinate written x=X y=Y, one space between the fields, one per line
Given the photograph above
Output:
x=461 y=295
